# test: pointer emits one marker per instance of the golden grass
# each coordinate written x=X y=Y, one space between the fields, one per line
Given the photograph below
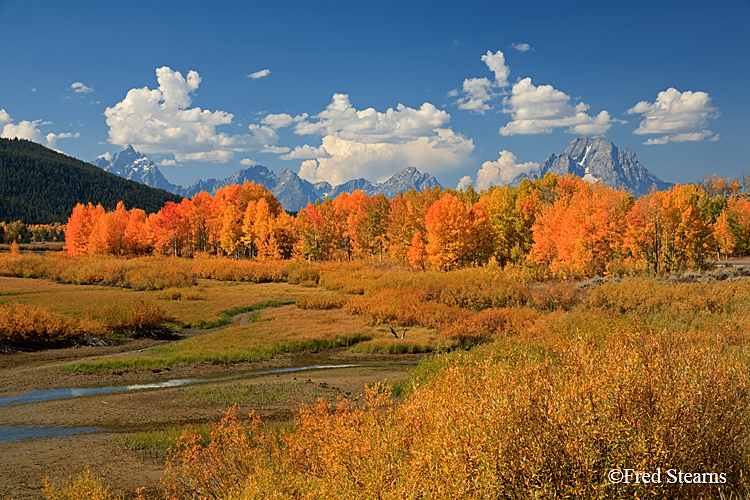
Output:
x=539 y=418
x=269 y=332
x=640 y=374
x=76 y=300
x=71 y=300
x=219 y=296
x=279 y=326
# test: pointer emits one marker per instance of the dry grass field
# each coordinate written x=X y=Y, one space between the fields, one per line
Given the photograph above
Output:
x=538 y=388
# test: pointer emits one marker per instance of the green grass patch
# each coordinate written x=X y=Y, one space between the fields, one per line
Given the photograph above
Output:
x=244 y=393
x=394 y=348
x=226 y=315
x=157 y=443
x=173 y=354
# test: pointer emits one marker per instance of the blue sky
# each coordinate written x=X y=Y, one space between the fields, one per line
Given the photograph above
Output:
x=471 y=91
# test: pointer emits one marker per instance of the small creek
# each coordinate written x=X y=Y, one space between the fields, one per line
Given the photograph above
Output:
x=24 y=432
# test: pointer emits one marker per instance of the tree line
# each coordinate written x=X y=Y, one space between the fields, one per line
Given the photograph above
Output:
x=556 y=226
x=39 y=185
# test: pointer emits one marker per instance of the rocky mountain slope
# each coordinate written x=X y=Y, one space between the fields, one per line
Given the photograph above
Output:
x=292 y=191
x=600 y=160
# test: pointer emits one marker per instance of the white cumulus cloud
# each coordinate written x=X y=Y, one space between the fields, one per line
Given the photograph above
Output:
x=501 y=171
x=679 y=116
x=80 y=88
x=378 y=161
x=52 y=138
x=276 y=150
x=259 y=74
x=24 y=130
x=278 y=121
x=476 y=93
x=496 y=63
x=29 y=130
x=160 y=121
x=306 y=152
x=464 y=182
x=374 y=144
x=248 y=162
x=4 y=117
x=522 y=47
x=541 y=109
x=399 y=125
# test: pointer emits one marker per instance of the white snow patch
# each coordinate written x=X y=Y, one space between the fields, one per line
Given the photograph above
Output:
x=585 y=155
x=590 y=178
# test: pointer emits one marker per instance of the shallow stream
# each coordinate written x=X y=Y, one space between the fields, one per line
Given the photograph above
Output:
x=23 y=432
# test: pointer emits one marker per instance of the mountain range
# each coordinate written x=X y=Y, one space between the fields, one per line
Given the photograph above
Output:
x=598 y=159
x=593 y=159
x=292 y=191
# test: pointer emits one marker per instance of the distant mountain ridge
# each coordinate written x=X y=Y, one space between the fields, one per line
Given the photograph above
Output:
x=598 y=159
x=292 y=191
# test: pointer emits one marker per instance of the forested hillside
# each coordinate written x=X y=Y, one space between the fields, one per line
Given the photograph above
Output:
x=39 y=185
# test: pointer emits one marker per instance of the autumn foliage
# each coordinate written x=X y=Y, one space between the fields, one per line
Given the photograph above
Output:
x=545 y=413
x=555 y=227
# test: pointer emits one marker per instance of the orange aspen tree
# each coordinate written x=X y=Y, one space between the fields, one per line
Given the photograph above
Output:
x=317 y=235
x=448 y=229
x=479 y=244
x=112 y=229
x=199 y=218
x=345 y=208
x=417 y=251
x=169 y=228
x=367 y=225
x=231 y=231
x=77 y=231
x=583 y=231
x=644 y=237
x=135 y=239
x=405 y=219
x=285 y=234
x=97 y=241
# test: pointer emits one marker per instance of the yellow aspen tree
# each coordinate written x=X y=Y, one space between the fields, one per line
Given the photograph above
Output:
x=723 y=236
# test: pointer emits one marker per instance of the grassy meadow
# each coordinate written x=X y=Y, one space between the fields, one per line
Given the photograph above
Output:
x=536 y=389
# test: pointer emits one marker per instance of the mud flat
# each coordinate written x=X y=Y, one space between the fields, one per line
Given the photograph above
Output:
x=86 y=426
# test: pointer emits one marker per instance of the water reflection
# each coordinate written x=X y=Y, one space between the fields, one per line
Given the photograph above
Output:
x=11 y=433
x=52 y=394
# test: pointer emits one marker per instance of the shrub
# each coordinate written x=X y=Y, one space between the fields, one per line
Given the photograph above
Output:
x=321 y=301
x=238 y=270
x=180 y=294
x=145 y=273
x=136 y=319
x=84 y=486
x=509 y=420
x=35 y=326
x=154 y=273
x=302 y=273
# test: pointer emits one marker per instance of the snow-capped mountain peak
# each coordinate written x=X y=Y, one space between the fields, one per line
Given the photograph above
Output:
x=292 y=191
x=135 y=166
x=596 y=160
